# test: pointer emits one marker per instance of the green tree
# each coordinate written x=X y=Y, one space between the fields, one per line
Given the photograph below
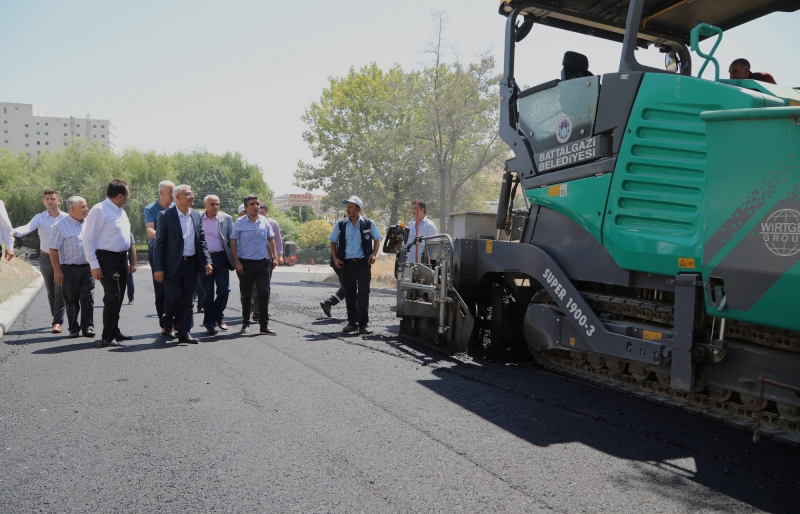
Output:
x=360 y=130
x=314 y=235
x=459 y=124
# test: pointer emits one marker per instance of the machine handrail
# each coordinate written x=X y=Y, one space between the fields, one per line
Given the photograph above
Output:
x=704 y=29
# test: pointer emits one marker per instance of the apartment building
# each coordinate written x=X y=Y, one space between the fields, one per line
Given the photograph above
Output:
x=27 y=128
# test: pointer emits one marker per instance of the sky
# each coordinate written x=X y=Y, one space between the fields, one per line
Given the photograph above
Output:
x=238 y=75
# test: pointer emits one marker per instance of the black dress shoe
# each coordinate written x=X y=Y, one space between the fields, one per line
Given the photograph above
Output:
x=110 y=342
x=168 y=332
x=211 y=331
x=326 y=308
x=88 y=333
x=245 y=329
x=73 y=335
x=122 y=337
x=350 y=328
x=365 y=330
x=268 y=332
x=188 y=339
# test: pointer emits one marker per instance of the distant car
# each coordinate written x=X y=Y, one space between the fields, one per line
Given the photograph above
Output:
x=289 y=253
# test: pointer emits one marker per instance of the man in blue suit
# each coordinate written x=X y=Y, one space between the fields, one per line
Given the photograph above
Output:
x=179 y=253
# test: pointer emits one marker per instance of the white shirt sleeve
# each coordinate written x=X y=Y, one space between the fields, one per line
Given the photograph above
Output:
x=6 y=230
x=24 y=230
x=94 y=224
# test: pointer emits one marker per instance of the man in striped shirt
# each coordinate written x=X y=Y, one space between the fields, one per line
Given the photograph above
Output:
x=43 y=222
x=71 y=268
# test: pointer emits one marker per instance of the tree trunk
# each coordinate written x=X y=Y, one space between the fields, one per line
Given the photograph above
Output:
x=394 y=205
x=443 y=205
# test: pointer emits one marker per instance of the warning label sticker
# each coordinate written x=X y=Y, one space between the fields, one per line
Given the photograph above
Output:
x=649 y=335
x=488 y=246
x=686 y=263
x=557 y=190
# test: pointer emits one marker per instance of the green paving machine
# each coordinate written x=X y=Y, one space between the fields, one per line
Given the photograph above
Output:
x=657 y=248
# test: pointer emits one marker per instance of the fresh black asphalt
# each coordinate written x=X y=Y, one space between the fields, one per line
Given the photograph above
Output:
x=316 y=421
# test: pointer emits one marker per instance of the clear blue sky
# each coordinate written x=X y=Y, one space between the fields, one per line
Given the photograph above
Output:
x=237 y=75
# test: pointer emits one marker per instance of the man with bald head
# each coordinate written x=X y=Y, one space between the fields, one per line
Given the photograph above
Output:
x=217 y=226
x=740 y=69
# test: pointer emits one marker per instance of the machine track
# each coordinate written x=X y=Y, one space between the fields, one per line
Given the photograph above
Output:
x=728 y=412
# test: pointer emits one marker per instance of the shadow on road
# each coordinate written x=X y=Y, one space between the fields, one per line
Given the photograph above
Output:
x=546 y=410
x=69 y=348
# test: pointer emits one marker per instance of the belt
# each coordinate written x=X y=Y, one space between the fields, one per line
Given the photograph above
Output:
x=217 y=253
x=188 y=257
x=111 y=253
x=85 y=264
x=355 y=260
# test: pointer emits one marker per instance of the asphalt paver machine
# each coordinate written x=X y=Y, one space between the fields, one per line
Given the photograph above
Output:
x=657 y=249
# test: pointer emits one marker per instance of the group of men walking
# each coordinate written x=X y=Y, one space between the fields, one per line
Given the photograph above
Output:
x=184 y=246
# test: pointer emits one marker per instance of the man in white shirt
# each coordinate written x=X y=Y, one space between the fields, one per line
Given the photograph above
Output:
x=43 y=222
x=6 y=232
x=71 y=268
x=106 y=240
x=419 y=226
x=180 y=253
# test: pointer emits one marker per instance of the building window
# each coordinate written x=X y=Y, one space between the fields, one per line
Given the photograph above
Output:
x=26 y=135
x=103 y=136
x=26 y=125
x=94 y=126
x=37 y=122
x=102 y=126
x=65 y=124
x=65 y=134
x=5 y=111
x=65 y=144
x=95 y=135
x=5 y=131
x=38 y=133
x=47 y=143
x=27 y=145
x=39 y=143
x=47 y=133
x=6 y=141
x=78 y=125
x=5 y=122
x=78 y=135
x=46 y=124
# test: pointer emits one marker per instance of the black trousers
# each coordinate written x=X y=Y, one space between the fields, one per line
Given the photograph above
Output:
x=114 y=266
x=78 y=294
x=257 y=272
x=356 y=276
x=178 y=294
x=53 y=290
x=338 y=296
x=158 y=289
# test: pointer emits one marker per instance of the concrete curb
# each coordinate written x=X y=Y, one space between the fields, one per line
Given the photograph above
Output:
x=11 y=308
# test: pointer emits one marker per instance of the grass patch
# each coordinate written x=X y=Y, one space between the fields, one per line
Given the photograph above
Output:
x=15 y=276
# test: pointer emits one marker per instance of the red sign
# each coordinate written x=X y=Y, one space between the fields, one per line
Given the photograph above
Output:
x=301 y=200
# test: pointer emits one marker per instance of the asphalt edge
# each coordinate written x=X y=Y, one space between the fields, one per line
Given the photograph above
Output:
x=11 y=308
x=381 y=290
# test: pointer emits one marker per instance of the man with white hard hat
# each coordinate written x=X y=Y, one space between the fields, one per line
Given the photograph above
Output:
x=355 y=242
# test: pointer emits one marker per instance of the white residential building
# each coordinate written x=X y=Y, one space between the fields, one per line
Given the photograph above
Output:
x=27 y=128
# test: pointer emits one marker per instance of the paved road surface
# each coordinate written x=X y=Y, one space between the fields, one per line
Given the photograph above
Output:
x=315 y=421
